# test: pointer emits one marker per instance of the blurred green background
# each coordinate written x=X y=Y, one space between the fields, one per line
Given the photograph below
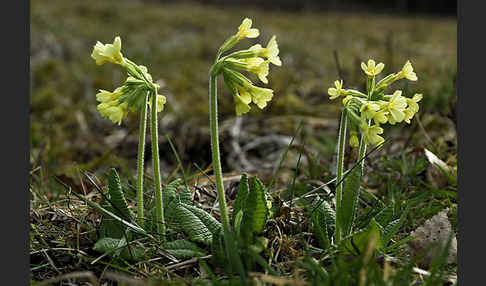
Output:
x=177 y=41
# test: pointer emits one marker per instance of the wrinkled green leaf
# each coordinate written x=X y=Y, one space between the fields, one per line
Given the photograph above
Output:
x=117 y=197
x=255 y=212
x=241 y=196
x=183 y=249
x=323 y=221
x=169 y=193
x=198 y=224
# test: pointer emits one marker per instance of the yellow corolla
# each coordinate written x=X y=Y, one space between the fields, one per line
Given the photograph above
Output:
x=241 y=106
x=245 y=30
x=372 y=69
x=380 y=117
x=412 y=102
x=396 y=107
x=108 y=53
x=113 y=111
x=270 y=52
x=370 y=133
x=259 y=67
x=106 y=96
x=407 y=72
x=369 y=109
x=260 y=96
x=338 y=91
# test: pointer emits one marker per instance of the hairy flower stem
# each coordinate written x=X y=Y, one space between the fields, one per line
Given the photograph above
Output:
x=340 y=169
x=140 y=160
x=159 y=205
x=213 y=119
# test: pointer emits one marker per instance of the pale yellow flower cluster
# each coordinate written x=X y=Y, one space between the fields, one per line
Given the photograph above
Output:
x=116 y=105
x=256 y=60
x=369 y=111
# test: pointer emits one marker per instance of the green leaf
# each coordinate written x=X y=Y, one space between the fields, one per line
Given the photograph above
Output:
x=384 y=216
x=183 y=249
x=323 y=221
x=255 y=212
x=117 y=197
x=349 y=201
x=169 y=193
x=393 y=227
x=185 y=196
x=241 y=196
x=198 y=224
x=358 y=242
x=115 y=247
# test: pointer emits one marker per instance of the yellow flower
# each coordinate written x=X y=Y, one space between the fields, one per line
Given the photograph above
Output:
x=380 y=117
x=412 y=102
x=113 y=111
x=161 y=100
x=242 y=106
x=245 y=30
x=370 y=133
x=369 y=109
x=270 y=52
x=259 y=95
x=259 y=67
x=408 y=115
x=371 y=69
x=106 y=96
x=108 y=53
x=338 y=91
x=396 y=107
x=407 y=72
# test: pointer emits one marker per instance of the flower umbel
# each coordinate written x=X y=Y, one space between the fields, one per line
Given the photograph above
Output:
x=255 y=60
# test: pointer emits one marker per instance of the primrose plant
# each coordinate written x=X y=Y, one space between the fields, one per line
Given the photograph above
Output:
x=364 y=113
x=256 y=60
x=138 y=92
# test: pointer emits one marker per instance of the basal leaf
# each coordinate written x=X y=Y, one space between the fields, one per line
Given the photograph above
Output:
x=323 y=220
x=117 y=197
x=170 y=192
x=198 y=224
x=255 y=211
x=183 y=249
x=241 y=196
x=349 y=201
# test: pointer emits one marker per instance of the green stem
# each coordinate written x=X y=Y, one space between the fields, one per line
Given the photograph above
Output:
x=340 y=169
x=213 y=119
x=140 y=161
x=159 y=205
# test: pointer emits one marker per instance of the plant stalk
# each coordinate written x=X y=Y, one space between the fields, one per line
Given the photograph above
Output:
x=140 y=161
x=213 y=119
x=340 y=170
x=159 y=205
